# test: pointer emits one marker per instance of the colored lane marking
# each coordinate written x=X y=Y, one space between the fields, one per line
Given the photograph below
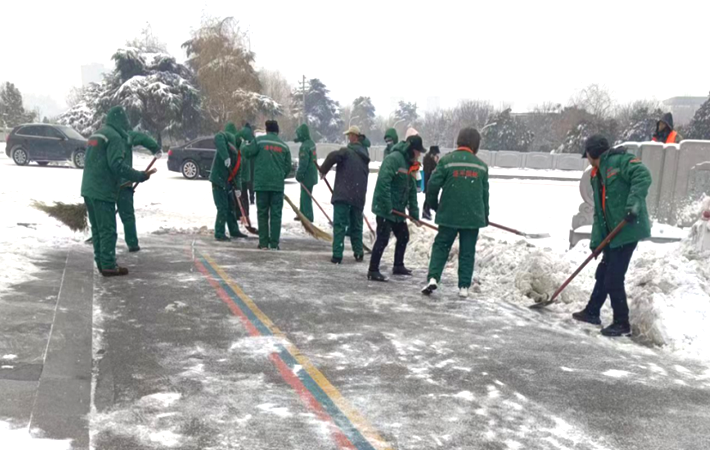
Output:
x=311 y=385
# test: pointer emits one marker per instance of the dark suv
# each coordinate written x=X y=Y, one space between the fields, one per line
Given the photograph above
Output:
x=194 y=159
x=43 y=143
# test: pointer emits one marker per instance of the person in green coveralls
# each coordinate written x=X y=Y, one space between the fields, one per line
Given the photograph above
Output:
x=462 y=210
x=620 y=183
x=307 y=169
x=226 y=182
x=272 y=163
x=105 y=168
x=125 y=195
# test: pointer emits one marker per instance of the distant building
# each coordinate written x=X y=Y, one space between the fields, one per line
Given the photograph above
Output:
x=92 y=73
x=683 y=108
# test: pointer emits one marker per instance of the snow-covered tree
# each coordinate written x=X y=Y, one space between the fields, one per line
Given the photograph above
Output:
x=363 y=114
x=577 y=137
x=218 y=54
x=12 y=109
x=406 y=113
x=436 y=127
x=699 y=126
x=506 y=132
x=639 y=124
x=322 y=112
x=82 y=116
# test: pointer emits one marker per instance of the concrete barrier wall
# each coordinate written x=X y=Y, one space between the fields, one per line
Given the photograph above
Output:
x=565 y=161
x=653 y=157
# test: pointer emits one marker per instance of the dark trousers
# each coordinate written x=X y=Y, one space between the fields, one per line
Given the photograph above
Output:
x=610 y=275
x=128 y=216
x=384 y=229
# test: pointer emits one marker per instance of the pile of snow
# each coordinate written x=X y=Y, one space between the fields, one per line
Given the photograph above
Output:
x=21 y=438
x=668 y=285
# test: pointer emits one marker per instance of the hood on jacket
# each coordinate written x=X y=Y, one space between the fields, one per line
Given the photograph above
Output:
x=118 y=120
x=392 y=134
x=668 y=120
x=303 y=134
x=360 y=151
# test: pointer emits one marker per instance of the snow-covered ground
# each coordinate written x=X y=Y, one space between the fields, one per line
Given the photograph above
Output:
x=668 y=284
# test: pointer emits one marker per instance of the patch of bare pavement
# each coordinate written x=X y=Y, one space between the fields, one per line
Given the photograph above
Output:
x=222 y=346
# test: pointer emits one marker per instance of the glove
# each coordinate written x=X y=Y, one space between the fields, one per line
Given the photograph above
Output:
x=227 y=162
x=158 y=154
x=631 y=217
x=238 y=193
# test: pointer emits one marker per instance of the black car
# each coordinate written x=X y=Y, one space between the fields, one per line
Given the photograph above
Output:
x=194 y=159
x=44 y=143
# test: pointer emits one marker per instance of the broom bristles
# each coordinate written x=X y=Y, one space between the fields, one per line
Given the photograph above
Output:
x=71 y=215
x=308 y=225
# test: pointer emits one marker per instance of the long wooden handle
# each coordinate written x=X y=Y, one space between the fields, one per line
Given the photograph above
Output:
x=594 y=254
x=150 y=166
x=426 y=224
x=510 y=230
x=316 y=202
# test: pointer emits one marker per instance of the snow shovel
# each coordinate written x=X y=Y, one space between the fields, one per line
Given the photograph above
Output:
x=245 y=219
x=594 y=254
x=373 y=236
x=520 y=233
x=307 y=224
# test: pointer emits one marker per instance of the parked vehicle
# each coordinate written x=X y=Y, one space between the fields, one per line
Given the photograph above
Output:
x=194 y=159
x=44 y=143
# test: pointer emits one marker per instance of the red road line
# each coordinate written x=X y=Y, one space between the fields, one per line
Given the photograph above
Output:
x=286 y=373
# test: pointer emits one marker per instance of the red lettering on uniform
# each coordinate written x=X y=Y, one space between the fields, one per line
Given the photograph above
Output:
x=93 y=143
x=456 y=173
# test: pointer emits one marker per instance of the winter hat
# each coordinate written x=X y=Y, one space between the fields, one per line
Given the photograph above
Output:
x=415 y=143
x=353 y=130
x=469 y=138
x=411 y=132
x=595 y=146
x=434 y=150
x=231 y=128
x=272 y=126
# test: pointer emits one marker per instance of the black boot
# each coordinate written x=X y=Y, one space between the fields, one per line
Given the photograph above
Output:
x=134 y=249
x=335 y=260
x=401 y=270
x=359 y=258
x=584 y=316
x=117 y=272
x=222 y=239
x=617 y=329
x=376 y=276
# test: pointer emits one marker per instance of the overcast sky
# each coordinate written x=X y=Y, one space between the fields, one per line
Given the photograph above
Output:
x=435 y=53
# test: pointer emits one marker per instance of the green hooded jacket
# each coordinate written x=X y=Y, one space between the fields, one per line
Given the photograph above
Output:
x=392 y=134
x=105 y=165
x=272 y=162
x=226 y=143
x=307 y=158
x=625 y=181
x=396 y=187
x=463 y=177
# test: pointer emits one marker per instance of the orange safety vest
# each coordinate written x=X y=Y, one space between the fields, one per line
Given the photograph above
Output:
x=671 y=137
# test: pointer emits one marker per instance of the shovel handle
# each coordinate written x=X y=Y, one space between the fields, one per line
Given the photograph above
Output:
x=426 y=224
x=150 y=166
x=504 y=228
x=594 y=254
x=316 y=202
x=327 y=183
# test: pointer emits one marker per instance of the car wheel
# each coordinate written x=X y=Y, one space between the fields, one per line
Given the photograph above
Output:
x=77 y=158
x=190 y=169
x=20 y=156
x=42 y=163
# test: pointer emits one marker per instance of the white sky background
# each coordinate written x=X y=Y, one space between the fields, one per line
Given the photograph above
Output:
x=435 y=53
